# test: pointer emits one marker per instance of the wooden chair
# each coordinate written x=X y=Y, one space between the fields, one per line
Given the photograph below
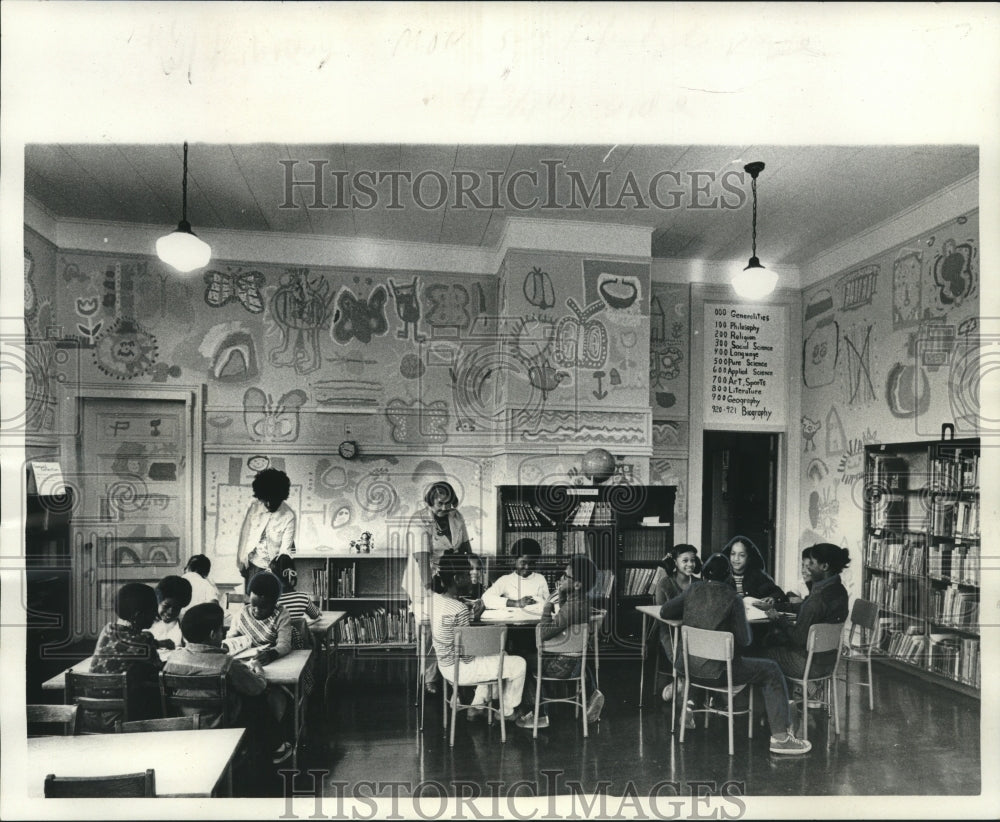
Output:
x=102 y=787
x=822 y=638
x=487 y=640
x=171 y=723
x=186 y=695
x=51 y=720
x=105 y=697
x=864 y=618
x=718 y=646
x=573 y=643
x=234 y=598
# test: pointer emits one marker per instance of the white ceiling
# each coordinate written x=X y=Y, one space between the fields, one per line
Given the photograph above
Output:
x=810 y=197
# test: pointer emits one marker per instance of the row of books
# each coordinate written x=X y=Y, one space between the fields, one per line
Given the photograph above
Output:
x=376 y=627
x=955 y=518
x=647 y=543
x=904 y=642
x=344 y=584
x=522 y=515
x=896 y=553
x=955 y=606
x=958 y=473
x=900 y=595
x=954 y=563
x=638 y=582
x=955 y=656
x=548 y=540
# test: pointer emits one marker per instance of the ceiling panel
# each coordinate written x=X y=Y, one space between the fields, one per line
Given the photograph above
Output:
x=811 y=197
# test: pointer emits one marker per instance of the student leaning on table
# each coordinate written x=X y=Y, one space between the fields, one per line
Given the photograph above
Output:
x=203 y=655
x=714 y=605
x=447 y=612
x=680 y=567
x=574 y=609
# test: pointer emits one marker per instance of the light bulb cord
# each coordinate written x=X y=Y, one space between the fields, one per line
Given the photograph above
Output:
x=184 y=191
x=753 y=186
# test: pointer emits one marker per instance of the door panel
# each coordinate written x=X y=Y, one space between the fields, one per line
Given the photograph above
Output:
x=134 y=514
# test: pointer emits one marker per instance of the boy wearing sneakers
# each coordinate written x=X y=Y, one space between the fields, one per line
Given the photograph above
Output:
x=713 y=604
x=574 y=608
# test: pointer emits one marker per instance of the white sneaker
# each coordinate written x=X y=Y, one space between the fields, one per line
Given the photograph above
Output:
x=528 y=721
x=595 y=706
x=791 y=745
x=668 y=693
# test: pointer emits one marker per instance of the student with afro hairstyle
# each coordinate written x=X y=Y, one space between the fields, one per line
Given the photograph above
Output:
x=268 y=527
x=127 y=646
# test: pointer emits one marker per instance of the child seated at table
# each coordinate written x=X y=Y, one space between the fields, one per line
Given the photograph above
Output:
x=203 y=655
x=264 y=625
x=127 y=646
x=574 y=608
x=173 y=593
x=202 y=588
x=298 y=603
x=523 y=588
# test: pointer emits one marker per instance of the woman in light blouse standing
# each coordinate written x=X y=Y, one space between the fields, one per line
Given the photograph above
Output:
x=268 y=527
x=437 y=529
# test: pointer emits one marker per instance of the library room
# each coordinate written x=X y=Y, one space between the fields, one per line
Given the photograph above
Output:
x=379 y=467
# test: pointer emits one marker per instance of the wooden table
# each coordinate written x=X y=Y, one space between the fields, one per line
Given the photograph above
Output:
x=187 y=763
x=322 y=630
x=509 y=616
x=284 y=673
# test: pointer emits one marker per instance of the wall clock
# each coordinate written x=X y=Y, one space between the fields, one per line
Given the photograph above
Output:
x=348 y=449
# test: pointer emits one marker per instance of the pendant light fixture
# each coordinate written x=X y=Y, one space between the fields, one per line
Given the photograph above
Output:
x=754 y=282
x=182 y=249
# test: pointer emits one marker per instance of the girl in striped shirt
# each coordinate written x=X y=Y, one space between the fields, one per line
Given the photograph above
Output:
x=298 y=603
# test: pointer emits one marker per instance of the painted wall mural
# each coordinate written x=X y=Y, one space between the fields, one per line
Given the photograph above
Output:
x=885 y=364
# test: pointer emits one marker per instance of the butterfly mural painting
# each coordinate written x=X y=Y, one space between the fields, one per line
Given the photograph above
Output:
x=359 y=318
x=222 y=288
x=270 y=421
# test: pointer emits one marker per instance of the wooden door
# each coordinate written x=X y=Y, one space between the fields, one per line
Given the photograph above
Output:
x=134 y=520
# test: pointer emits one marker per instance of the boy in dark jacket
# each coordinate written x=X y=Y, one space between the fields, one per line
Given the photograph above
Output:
x=714 y=605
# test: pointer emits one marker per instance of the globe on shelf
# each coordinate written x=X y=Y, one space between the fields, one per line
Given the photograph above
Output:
x=598 y=464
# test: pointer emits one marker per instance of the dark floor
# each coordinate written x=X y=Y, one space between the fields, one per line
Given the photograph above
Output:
x=922 y=739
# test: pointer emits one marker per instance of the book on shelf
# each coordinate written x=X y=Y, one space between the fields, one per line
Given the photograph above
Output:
x=954 y=562
x=639 y=581
x=894 y=552
x=377 y=626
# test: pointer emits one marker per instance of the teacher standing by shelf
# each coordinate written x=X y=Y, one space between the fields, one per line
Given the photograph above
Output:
x=268 y=527
x=436 y=529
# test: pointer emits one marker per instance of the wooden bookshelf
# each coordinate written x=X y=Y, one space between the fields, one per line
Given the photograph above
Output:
x=922 y=557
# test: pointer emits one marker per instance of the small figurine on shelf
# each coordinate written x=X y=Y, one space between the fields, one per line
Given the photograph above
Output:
x=367 y=546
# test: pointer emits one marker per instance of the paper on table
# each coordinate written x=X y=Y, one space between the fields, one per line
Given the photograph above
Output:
x=246 y=653
x=507 y=614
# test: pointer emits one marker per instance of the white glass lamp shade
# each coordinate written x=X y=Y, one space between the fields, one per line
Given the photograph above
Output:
x=754 y=282
x=183 y=250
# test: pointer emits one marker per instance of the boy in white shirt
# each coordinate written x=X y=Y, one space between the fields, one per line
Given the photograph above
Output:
x=523 y=588
x=202 y=588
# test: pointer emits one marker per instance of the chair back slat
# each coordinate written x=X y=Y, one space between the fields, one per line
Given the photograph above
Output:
x=864 y=613
x=705 y=644
x=99 y=696
x=172 y=723
x=824 y=637
x=571 y=642
x=484 y=640
x=186 y=694
x=51 y=720
x=104 y=787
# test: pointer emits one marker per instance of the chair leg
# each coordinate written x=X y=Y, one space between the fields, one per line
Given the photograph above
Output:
x=503 y=721
x=581 y=690
x=454 y=708
x=684 y=699
x=750 y=714
x=833 y=701
x=538 y=696
x=805 y=710
x=871 y=685
x=729 y=716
